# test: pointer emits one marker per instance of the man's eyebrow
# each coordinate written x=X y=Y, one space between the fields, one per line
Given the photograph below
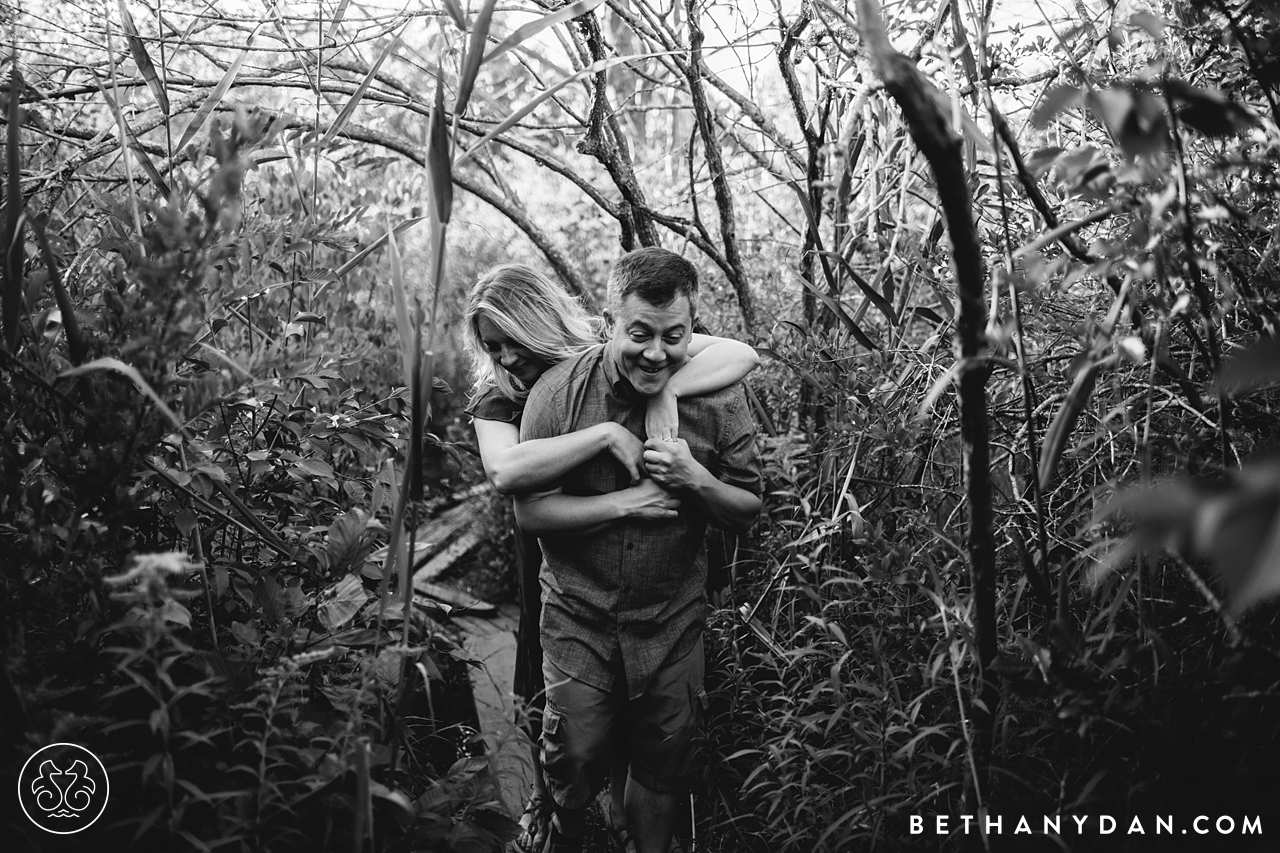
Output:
x=641 y=324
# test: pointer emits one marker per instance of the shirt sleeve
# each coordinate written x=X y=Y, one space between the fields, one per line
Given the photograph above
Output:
x=739 y=457
x=543 y=418
x=491 y=405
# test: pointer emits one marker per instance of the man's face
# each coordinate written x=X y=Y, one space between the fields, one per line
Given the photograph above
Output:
x=650 y=342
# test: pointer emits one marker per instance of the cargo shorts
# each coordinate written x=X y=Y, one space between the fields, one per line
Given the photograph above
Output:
x=661 y=731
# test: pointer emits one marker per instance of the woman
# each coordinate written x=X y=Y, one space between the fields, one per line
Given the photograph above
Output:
x=516 y=326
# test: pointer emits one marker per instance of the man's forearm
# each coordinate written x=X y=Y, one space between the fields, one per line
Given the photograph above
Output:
x=725 y=506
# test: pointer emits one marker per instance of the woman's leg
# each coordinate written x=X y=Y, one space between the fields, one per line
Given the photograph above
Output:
x=530 y=686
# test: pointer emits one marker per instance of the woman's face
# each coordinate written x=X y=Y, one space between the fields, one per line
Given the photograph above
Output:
x=517 y=360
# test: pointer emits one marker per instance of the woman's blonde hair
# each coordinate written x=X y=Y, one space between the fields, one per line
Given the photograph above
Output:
x=534 y=313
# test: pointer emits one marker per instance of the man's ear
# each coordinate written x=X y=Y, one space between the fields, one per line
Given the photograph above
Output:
x=608 y=318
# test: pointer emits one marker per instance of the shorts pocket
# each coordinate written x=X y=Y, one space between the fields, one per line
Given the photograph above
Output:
x=553 y=751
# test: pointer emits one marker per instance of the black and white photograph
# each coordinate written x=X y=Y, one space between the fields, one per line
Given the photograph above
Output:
x=640 y=426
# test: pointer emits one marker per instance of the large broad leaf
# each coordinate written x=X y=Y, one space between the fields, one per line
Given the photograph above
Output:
x=1056 y=100
x=341 y=602
x=1253 y=368
x=348 y=543
x=1208 y=112
x=1135 y=119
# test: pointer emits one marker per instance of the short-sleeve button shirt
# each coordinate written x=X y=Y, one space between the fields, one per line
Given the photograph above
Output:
x=636 y=590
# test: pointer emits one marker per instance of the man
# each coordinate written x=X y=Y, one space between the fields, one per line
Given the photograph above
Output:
x=624 y=568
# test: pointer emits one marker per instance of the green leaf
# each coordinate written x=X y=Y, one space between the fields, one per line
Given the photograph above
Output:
x=1064 y=422
x=11 y=298
x=77 y=348
x=344 y=115
x=511 y=120
x=439 y=158
x=474 y=58
x=1253 y=368
x=338 y=15
x=172 y=611
x=215 y=97
x=1146 y=21
x=1208 y=112
x=117 y=366
x=456 y=13
x=1135 y=119
x=834 y=306
x=316 y=467
x=347 y=543
x=143 y=60
x=270 y=597
x=1041 y=159
x=567 y=13
x=404 y=323
x=1056 y=100
x=341 y=602
x=842 y=315
x=875 y=296
x=372 y=247
x=134 y=145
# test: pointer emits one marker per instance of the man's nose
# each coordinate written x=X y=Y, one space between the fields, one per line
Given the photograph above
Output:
x=654 y=351
x=507 y=357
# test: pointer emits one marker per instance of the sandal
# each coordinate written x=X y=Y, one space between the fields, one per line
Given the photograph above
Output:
x=535 y=823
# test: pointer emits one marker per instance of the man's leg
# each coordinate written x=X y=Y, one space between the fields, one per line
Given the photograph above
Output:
x=651 y=817
x=664 y=730
x=576 y=738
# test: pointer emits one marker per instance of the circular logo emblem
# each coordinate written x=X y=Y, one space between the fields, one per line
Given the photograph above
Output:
x=63 y=788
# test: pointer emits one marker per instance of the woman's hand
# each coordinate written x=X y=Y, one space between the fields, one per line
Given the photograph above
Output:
x=625 y=447
x=647 y=502
x=662 y=418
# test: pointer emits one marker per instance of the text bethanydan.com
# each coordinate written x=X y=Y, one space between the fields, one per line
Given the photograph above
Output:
x=1102 y=824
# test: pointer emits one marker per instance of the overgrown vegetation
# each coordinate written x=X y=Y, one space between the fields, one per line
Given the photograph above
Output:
x=228 y=375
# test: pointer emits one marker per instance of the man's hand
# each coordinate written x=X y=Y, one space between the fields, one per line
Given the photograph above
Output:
x=647 y=502
x=671 y=464
x=662 y=417
x=626 y=448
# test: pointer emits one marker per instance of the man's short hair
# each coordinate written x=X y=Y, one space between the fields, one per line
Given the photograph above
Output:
x=655 y=275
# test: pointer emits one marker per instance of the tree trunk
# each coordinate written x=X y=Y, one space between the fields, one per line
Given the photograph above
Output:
x=926 y=114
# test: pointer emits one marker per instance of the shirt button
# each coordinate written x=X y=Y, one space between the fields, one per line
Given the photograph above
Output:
x=631 y=546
